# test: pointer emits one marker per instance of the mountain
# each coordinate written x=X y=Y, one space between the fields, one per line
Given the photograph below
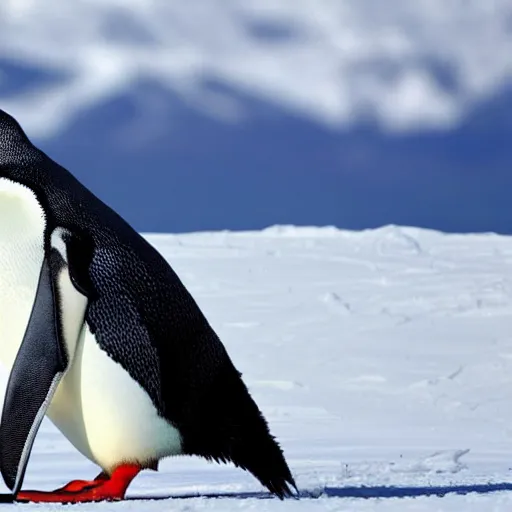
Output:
x=190 y=116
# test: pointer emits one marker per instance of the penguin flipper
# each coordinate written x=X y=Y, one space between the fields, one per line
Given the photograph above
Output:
x=41 y=362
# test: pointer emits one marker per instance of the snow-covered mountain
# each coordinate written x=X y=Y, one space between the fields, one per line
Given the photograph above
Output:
x=243 y=113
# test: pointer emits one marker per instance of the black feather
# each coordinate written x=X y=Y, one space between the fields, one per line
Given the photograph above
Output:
x=145 y=319
x=227 y=426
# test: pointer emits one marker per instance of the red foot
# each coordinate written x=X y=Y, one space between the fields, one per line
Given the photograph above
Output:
x=79 y=491
x=80 y=485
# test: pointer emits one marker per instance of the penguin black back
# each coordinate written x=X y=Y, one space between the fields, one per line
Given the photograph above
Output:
x=162 y=339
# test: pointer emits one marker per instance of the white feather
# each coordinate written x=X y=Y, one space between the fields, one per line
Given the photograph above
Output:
x=103 y=412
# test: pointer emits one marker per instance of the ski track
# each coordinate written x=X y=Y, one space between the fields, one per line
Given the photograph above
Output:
x=382 y=360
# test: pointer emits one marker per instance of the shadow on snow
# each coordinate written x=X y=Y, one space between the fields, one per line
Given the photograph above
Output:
x=352 y=492
x=334 y=492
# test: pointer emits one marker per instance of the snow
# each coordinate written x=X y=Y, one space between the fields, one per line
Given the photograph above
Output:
x=382 y=360
x=407 y=65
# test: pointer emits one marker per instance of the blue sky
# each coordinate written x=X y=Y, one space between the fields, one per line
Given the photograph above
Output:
x=240 y=117
x=281 y=169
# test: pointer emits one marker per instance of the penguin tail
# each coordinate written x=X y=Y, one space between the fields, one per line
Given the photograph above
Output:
x=268 y=465
x=235 y=431
x=254 y=449
x=258 y=452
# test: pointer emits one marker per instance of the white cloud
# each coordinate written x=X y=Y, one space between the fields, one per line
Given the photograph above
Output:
x=336 y=60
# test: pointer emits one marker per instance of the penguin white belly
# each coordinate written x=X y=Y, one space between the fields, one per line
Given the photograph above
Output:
x=21 y=256
x=107 y=415
x=103 y=412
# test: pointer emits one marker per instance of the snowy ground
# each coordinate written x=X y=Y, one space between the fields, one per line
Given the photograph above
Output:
x=382 y=360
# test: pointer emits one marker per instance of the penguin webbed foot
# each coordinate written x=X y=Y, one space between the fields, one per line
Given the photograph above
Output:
x=102 y=488
x=81 y=485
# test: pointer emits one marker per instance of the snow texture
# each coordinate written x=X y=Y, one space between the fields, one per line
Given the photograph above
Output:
x=382 y=360
x=406 y=65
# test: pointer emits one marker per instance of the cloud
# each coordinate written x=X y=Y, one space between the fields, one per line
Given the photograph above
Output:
x=405 y=65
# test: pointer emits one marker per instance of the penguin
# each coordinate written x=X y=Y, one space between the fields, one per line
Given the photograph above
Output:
x=100 y=335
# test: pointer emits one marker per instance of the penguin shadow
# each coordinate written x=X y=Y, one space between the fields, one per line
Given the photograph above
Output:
x=363 y=492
